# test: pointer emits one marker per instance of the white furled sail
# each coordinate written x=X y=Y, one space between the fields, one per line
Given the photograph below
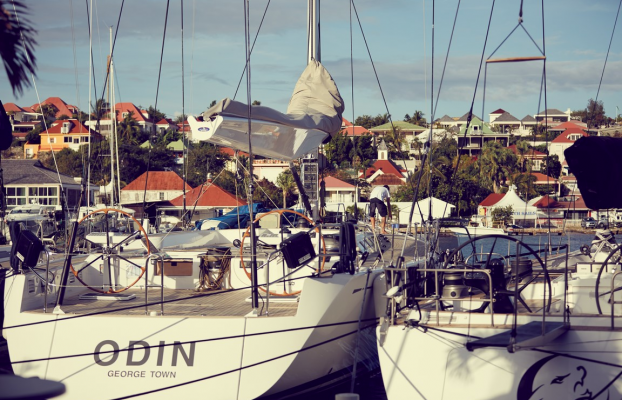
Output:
x=314 y=114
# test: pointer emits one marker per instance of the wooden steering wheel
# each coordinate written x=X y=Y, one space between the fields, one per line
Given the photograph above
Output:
x=247 y=234
x=111 y=252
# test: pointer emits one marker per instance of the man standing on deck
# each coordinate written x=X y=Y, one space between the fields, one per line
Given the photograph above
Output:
x=378 y=196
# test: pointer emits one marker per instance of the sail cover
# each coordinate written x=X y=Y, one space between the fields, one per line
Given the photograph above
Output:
x=314 y=114
x=595 y=162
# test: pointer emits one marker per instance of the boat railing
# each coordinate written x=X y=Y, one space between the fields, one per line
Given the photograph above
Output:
x=436 y=297
x=613 y=301
x=160 y=260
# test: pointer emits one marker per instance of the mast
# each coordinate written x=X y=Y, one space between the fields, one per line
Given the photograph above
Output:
x=113 y=115
x=310 y=165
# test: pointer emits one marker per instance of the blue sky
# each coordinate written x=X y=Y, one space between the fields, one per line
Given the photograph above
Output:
x=398 y=33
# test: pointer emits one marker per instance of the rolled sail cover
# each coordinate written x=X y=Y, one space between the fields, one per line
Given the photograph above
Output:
x=596 y=162
x=315 y=104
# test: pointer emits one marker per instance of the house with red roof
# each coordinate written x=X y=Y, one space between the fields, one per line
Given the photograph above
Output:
x=59 y=106
x=18 y=114
x=338 y=191
x=208 y=195
x=161 y=187
x=352 y=131
x=384 y=170
x=61 y=134
x=565 y=140
x=164 y=125
x=574 y=124
x=122 y=110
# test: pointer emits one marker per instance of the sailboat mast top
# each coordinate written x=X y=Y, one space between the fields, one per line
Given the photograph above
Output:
x=313 y=31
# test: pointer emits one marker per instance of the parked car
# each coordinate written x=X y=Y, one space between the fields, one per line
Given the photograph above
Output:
x=603 y=222
x=588 y=222
x=511 y=229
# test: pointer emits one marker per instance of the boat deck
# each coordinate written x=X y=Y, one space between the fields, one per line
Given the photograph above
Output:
x=187 y=303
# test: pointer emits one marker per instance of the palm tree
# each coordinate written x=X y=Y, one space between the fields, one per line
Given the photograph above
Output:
x=496 y=164
x=17 y=44
x=522 y=147
x=128 y=129
x=285 y=182
x=395 y=140
x=48 y=112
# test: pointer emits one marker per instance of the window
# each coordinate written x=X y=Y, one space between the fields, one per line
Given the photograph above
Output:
x=52 y=140
x=67 y=139
x=15 y=196
x=76 y=140
x=161 y=195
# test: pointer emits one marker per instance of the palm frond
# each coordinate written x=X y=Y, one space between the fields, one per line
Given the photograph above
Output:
x=17 y=42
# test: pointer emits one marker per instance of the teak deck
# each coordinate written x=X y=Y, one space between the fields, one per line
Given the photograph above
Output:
x=179 y=302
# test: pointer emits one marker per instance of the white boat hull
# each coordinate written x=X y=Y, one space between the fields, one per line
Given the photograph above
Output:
x=435 y=364
x=219 y=358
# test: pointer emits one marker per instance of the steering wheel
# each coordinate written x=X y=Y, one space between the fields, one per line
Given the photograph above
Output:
x=111 y=252
x=247 y=234
x=501 y=244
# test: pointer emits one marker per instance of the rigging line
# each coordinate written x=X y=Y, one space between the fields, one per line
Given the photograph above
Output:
x=352 y=71
x=372 y=64
x=192 y=59
x=183 y=123
x=379 y=85
x=87 y=165
x=216 y=339
x=34 y=83
x=470 y=114
x=251 y=51
x=433 y=115
x=112 y=52
x=241 y=368
x=604 y=66
x=75 y=60
x=155 y=107
x=431 y=108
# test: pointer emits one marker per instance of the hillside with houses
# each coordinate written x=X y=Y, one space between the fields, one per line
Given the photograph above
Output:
x=473 y=164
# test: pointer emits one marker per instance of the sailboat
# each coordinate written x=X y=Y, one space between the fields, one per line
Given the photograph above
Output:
x=496 y=318
x=199 y=313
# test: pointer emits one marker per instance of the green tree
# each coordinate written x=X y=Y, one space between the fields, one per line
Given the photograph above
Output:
x=362 y=152
x=68 y=162
x=367 y=121
x=502 y=214
x=551 y=166
x=204 y=158
x=525 y=185
x=522 y=148
x=285 y=182
x=395 y=141
x=155 y=115
x=181 y=118
x=338 y=149
x=416 y=119
x=129 y=131
x=34 y=136
x=496 y=164
x=48 y=112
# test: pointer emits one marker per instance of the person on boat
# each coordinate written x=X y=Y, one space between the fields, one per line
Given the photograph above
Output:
x=378 y=196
